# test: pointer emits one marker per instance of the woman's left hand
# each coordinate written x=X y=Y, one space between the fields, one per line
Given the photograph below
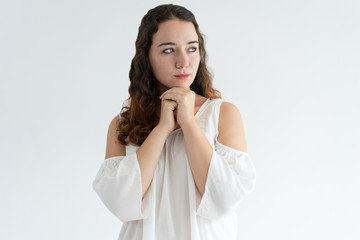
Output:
x=185 y=99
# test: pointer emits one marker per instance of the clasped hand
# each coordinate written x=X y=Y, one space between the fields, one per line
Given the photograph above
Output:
x=177 y=108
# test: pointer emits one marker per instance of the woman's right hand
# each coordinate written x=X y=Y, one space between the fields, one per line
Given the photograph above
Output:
x=168 y=115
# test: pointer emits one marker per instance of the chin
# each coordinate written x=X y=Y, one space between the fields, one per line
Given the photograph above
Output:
x=183 y=86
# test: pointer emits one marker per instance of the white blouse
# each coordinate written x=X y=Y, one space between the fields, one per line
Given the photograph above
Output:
x=172 y=208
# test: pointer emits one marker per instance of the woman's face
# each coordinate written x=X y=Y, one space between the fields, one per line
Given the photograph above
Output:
x=174 y=54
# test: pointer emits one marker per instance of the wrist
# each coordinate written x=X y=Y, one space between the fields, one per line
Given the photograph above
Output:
x=189 y=125
x=162 y=130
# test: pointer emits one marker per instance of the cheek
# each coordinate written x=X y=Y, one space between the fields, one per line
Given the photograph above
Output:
x=163 y=64
x=161 y=67
x=196 y=61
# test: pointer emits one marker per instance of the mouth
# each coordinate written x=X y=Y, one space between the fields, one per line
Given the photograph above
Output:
x=182 y=76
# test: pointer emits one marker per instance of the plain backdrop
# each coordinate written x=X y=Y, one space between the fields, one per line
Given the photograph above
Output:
x=291 y=67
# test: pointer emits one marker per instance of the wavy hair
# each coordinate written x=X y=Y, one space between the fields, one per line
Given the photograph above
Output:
x=140 y=117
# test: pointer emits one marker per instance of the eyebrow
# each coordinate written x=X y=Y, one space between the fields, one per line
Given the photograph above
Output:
x=172 y=43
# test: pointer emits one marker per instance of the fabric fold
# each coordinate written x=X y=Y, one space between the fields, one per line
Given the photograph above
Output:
x=118 y=184
x=231 y=176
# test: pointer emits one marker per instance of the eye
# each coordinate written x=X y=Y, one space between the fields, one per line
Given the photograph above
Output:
x=168 y=50
x=192 y=49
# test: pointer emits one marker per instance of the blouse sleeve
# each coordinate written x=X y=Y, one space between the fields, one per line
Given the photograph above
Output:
x=231 y=176
x=118 y=184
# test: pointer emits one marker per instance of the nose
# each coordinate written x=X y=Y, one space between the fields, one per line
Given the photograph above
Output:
x=182 y=60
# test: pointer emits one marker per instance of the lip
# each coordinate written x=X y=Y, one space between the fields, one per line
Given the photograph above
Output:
x=182 y=76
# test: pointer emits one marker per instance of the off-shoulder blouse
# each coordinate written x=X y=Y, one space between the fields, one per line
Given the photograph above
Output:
x=172 y=208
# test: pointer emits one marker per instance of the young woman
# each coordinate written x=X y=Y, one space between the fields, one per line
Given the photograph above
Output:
x=176 y=164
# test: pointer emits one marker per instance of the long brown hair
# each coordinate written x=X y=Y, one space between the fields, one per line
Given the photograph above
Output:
x=140 y=117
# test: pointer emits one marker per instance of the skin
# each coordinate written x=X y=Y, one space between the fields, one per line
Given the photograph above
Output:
x=175 y=51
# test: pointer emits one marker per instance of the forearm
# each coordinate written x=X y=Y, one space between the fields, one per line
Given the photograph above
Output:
x=148 y=155
x=199 y=152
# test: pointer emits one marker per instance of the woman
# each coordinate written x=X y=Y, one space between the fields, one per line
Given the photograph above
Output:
x=176 y=164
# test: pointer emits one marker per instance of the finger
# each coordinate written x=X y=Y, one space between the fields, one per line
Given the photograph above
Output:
x=173 y=95
x=170 y=102
x=172 y=90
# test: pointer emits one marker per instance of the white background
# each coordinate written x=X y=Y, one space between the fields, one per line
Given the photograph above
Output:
x=292 y=68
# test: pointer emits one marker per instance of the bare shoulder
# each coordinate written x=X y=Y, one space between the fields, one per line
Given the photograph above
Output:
x=113 y=146
x=231 y=127
x=228 y=110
